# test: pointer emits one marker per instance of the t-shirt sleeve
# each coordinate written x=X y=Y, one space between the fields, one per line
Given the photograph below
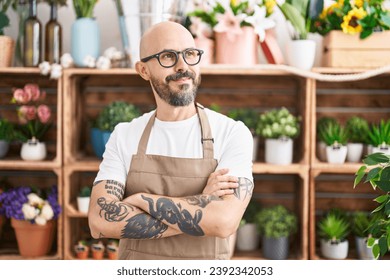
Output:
x=112 y=166
x=237 y=153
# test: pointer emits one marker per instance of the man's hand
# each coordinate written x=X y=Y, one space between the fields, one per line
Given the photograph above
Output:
x=220 y=184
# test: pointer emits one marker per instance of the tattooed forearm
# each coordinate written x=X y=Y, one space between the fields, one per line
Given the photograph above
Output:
x=97 y=182
x=201 y=200
x=245 y=188
x=113 y=211
x=115 y=188
x=143 y=226
x=167 y=210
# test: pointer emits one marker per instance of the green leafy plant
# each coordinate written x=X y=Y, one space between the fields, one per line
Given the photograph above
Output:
x=114 y=113
x=278 y=123
x=379 y=135
x=333 y=134
x=357 y=130
x=353 y=17
x=247 y=115
x=85 y=191
x=56 y=2
x=334 y=226
x=276 y=222
x=4 y=19
x=84 y=8
x=7 y=132
x=322 y=123
x=300 y=14
x=379 y=178
x=359 y=223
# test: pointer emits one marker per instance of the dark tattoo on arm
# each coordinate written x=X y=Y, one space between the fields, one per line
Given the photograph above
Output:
x=114 y=211
x=167 y=210
x=96 y=183
x=245 y=188
x=143 y=226
x=201 y=200
x=115 y=188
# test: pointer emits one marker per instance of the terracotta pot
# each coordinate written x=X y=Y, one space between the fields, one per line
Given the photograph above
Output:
x=33 y=240
x=112 y=255
x=81 y=252
x=97 y=255
x=241 y=50
x=207 y=45
x=7 y=46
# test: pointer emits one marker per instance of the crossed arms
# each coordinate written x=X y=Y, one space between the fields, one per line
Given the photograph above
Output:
x=215 y=212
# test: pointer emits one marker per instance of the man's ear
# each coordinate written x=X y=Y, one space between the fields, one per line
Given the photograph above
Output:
x=142 y=70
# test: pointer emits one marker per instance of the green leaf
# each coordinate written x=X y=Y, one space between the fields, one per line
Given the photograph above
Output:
x=378 y=158
x=360 y=174
x=371 y=242
x=388 y=240
x=373 y=173
x=383 y=245
x=382 y=198
x=296 y=19
x=385 y=18
x=378 y=208
x=376 y=251
x=387 y=208
x=383 y=185
x=385 y=175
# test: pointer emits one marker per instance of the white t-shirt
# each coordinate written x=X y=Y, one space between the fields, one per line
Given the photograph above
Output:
x=233 y=144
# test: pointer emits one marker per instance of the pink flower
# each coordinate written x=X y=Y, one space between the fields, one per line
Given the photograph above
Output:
x=26 y=113
x=229 y=23
x=44 y=113
x=33 y=90
x=21 y=96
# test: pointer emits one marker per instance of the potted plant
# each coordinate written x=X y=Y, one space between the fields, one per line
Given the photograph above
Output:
x=333 y=230
x=111 y=115
x=7 y=44
x=357 y=131
x=6 y=135
x=248 y=238
x=83 y=199
x=32 y=212
x=81 y=250
x=335 y=137
x=250 y=118
x=34 y=118
x=301 y=51
x=279 y=127
x=276 y=224
x=378 y=176
x=112 y=249
x=322 y=123
x=97 y=249
x=379 y=137
x=360 y=228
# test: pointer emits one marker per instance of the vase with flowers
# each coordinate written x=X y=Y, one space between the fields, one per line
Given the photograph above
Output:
x=236 y=25
x=85 y=34
x=34 y=118
x=32 y=212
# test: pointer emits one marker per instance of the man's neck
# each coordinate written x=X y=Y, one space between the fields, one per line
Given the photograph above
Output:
x=166 y=112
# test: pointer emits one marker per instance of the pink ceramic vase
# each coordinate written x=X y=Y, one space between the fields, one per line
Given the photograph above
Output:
x=207 y=45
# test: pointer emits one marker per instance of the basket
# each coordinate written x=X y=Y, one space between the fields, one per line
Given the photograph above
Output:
x=7 y=46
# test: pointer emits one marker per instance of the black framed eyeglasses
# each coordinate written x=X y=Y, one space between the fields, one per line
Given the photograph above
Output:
x=169 y=58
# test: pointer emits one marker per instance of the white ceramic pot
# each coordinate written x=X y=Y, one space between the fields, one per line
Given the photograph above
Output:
x=247 y=238
x=364 y=252
x=279 y=151
x=83 y=204
x=255 y=147
x=301 y=53
x=381 y=149
x=354 y=152
x=4 y=146
x=335 y=251
x=336 y=154
x=33 y=150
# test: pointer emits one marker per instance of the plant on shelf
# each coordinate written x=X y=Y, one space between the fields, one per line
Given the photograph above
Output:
x=353 y=17
x=379 y=137
x=357 y=130
x=247 y=234
x=81 y=250
x=335 y=137
x=333 y=230
x=6 y=136
x=378 y=176
x=97 y=249
x=32 y=211
x=84 y=8
x=322 y=123
x=360 y=222
x=83 y=199
x=112 y=249
x=279 y=127
x=111 y=115
x=276 y=224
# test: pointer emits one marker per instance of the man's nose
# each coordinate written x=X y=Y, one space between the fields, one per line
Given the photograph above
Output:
x=181 y=65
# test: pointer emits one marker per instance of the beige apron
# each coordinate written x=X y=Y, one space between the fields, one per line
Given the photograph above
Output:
x=174 y=177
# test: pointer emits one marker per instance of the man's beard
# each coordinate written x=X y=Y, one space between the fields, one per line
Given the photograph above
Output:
x=182 y=97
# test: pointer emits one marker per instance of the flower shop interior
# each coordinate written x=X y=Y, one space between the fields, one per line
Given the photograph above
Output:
x=309 y=78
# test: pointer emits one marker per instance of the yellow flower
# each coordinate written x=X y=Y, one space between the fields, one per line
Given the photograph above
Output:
x=359 y=3
x=270 y=4
x=350 y=24
x=329 y=10
x=234 y=2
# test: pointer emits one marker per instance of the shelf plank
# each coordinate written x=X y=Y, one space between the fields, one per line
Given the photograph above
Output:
x=30 y=165
x=345 y=168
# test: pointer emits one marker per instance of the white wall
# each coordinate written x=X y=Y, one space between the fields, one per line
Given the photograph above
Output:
x=106 y=16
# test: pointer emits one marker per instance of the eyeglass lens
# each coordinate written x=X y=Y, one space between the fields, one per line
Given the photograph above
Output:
x=169 y=58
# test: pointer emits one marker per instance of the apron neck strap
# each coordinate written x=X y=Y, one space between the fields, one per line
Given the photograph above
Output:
x=207 y=138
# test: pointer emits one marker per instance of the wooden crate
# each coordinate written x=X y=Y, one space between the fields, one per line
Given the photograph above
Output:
x=344 y=50
x=41 y=179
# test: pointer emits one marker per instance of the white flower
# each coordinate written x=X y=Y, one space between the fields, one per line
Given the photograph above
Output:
x=44 y=67
x=89 y=61
x=103 y=63
x=56 y=71
x=47 y=212
x=29 y=212
x=66 y=60
x=34 y=199
x=40 y=220
x=110 y=52
x=260 y=22
x=200 y=29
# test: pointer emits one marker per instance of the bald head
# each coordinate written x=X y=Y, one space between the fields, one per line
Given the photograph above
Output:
x=165 y=35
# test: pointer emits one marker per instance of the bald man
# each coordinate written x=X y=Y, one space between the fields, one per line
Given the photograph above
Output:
x=175 y=182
